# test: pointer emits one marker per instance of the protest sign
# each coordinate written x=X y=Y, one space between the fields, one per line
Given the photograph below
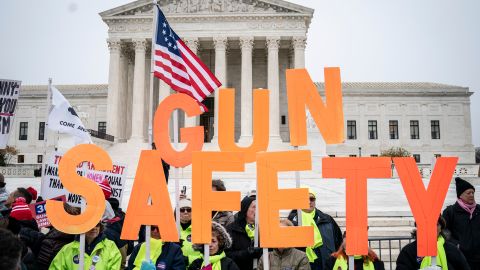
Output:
x=9 y=91
x=39 y=212
x=52 y=186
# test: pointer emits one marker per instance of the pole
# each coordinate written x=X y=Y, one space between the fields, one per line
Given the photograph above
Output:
x=175 y=171
x=297 y=182
x=206 y=255
x=351 y=262
x=255 y=237
x=81 y=261
x=266 y=257
x=45 y=135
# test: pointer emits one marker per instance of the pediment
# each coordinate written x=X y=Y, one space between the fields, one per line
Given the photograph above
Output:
x=208 y=7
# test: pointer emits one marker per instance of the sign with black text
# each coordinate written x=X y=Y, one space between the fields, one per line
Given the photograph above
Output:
x=9 y=91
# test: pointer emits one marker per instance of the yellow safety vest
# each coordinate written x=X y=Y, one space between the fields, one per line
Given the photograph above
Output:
x=155 y=252
x=343 y=264
x=308 y=219
x=441 y=256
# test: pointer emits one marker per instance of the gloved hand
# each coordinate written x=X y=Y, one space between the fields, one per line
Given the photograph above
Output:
x=147 y=265
x=255 y=252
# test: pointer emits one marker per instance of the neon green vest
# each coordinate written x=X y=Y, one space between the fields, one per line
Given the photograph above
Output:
x=155 y=252
x=308 y=220
x=187 y=246
x=215 y=260
x=250 y=231
x=343 y=264
x=441 y=256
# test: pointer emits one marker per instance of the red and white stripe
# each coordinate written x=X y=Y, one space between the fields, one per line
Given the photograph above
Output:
x=186 y=74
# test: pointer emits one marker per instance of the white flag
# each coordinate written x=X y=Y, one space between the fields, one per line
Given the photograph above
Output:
x=64 y=119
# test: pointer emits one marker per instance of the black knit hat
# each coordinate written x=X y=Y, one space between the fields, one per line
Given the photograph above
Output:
x=462 y=185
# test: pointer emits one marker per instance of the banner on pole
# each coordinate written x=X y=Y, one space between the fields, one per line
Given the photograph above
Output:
x=9 y=91
x=52 y=186
x=39 y=212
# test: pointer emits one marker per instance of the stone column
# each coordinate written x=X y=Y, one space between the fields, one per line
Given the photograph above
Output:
x=246 y=45
x=220 y=44
x=273 y=85
x=113 y=87
x=123 y=94
x=299 y=44
x=138 y=106
x=192 y=43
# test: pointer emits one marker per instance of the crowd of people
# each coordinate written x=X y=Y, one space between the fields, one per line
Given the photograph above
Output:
x=24 y=246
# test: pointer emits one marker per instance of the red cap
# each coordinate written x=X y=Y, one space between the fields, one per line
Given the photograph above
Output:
x=107 y=190
x=20 y=210
x=32 y=192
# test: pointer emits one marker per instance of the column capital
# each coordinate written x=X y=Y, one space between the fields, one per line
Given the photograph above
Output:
x=299 y=42
x=273 y=43
x=246 y=43
x=192 y=43
x=140 y=45
x=114 y=45
x=220 y=43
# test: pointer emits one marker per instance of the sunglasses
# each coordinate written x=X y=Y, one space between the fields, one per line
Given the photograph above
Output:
x=312 y=199
x=185 y=210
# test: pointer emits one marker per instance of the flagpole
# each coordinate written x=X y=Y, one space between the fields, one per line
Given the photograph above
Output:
x=45 y=135
x=150 y=115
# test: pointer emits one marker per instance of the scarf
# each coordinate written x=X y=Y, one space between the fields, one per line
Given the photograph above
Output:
x=441 y=256
x=342 y=263
x=215 y=261
x=250 y=229
x=470 y=208
x=308 y=220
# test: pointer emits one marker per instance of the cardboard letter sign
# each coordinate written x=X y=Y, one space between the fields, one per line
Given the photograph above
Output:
x=91 y=192
x=204 y=200
x=426 y=204
x=301 y=92
x=192 y=135
x=226 y=120
x=356 y=171
x=270 y=199
x=150 y=182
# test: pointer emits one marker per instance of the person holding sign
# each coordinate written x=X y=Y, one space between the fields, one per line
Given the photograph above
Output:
x=339 y=260
x=448 y=256
x=463 y=221
x=100 y=253
x=186 y=227
x=221 y=240
x=242 y=231
x=163 y=255
x=286 y=258
x=327 y=234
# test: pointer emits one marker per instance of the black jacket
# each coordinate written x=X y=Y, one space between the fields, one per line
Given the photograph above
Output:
x=408 y=260
x=464 y=231
x=171 y=257
x=226 y=264
x=378 y=265
x=331 y=236
x=239 y=252
x=51 y=244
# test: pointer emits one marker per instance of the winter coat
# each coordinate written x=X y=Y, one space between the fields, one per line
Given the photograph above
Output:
x=32 y=238
x=101 y=249
x=238 y=252
x=3 y=195
x=465 y=232
x=51 y=244
x=290 y=258
x=113 y=230
x=171 y=257
x=225 y=218
x=378 y=265
x=408 y=260
x=225 y=264
x=331 y=236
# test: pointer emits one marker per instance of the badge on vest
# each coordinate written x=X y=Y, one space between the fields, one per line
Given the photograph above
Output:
x=75 y=259
x=189 y=238
x=161 y=266
x=96 y=259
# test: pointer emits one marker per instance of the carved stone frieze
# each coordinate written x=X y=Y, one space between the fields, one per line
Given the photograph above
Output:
x=210 y=6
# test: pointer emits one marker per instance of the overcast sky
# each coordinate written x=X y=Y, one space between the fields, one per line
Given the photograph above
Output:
x=370 y=40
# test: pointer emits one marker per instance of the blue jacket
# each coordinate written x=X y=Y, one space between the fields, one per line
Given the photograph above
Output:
x=171 y=257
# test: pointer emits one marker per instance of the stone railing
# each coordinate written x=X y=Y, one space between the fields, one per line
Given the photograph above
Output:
x=462 y=170
x=19 y=171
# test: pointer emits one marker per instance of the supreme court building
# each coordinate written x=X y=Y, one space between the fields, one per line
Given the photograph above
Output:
x=247 y=44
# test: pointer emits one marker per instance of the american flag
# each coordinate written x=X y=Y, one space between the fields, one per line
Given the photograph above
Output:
x=178 y=66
